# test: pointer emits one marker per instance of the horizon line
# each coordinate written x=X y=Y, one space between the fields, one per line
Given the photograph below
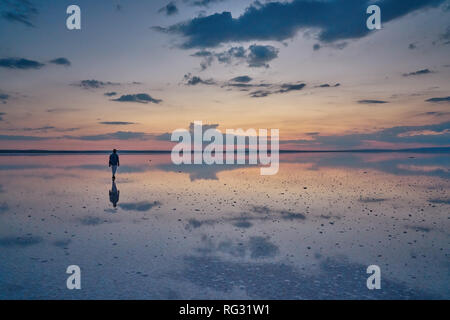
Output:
x=36 y=151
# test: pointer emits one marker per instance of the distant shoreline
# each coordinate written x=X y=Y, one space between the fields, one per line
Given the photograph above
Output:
x=62 y=152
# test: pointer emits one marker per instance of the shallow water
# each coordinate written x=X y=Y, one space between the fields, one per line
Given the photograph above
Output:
x=225 y=232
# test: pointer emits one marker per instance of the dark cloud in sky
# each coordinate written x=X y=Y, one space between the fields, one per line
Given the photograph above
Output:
x=191 y=80
x=19 y=11
x=288 y=87
x=116 y=123
x=110 y=94
x=283 y=88
x=244 y=83
x=119 y=135
x=46 y=128
x=334 y=20
x=255 y=56
x=62 y=110
x=4 y=98
x=202 y=3
x=20 y=63
x=436 y=134
x=259 y=56
x=139 y=98
x=327 y=85
x=434 y=114
x=372 y=102
x=95 y=84
x=170 y=9
x=418 y=73
x=21 y=138
x=242 y=79
x=437 y=100
x=61 y=61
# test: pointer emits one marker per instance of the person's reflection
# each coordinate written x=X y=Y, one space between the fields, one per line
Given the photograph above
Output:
x=114 y=194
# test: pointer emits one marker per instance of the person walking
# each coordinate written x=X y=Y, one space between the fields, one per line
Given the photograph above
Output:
x=114 y=163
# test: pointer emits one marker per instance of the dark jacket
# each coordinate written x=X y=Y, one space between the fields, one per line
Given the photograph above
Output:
x=114 y=159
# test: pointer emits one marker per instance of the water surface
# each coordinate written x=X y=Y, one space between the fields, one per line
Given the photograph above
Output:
x=225 y=232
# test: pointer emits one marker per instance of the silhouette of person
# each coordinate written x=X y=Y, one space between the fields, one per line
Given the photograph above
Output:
x=114 y=194
x=114 y=162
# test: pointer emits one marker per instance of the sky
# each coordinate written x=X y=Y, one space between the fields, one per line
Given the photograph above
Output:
x=138 y=70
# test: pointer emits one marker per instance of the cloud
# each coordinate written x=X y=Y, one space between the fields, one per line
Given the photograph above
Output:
x=191 y=80
x=326 y=85
x=169 y=9
x=243 y=83
x=110 y=94
x=139 y=98
x=260 y=55
x=434 y=113
x=20 y=63
x=95 y=84
x=256 y=56
x=61 y=61
x=117 y=123
x=139 y=206
x=202 y=3
x=119 y=135
x=62 y=110
x=372 y=102
x=241 y=79
x=437 y=100
x=283 y=88
x=4 y=98
x=20 y=11
x=418 y=73
x=333 y=20
x=22 y=138
x=435 y=134
x=288 y=87
x=44 y=129
x=412 y=46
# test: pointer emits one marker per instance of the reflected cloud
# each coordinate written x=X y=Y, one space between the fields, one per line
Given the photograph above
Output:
x=63 y=243
x=22 y=242
x=91 y=221
x=200 y=172
x=371 y=200
x=440 y=200
x=336 y=279
x=139 y=206
x=256 y=247
x=403 y=164
x=3 y=207
x=245 y=219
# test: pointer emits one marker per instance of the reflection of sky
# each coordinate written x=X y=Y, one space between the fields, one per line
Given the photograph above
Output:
x=308 y=232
